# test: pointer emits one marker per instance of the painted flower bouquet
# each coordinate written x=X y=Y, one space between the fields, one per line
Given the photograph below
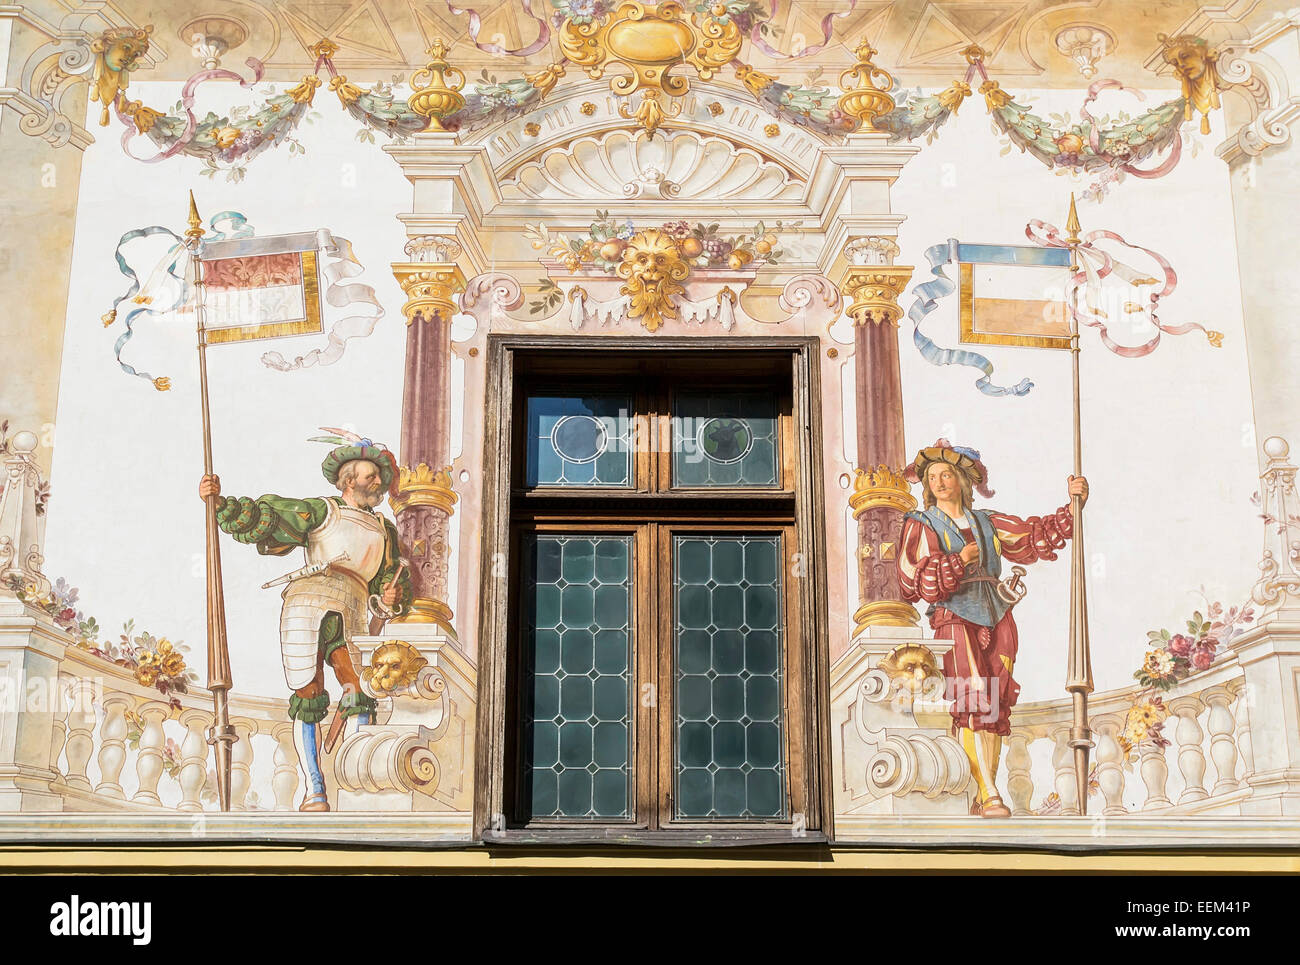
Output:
x=1176 y=656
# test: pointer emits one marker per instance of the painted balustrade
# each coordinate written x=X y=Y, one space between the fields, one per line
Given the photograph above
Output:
x=111 y=732
x=1199 y=767
x=1207 y=754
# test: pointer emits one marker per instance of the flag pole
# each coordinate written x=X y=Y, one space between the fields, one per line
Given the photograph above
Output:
x=1079 y=672
x=221 y=735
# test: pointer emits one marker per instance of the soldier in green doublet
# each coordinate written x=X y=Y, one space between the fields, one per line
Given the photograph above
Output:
x=353 y=564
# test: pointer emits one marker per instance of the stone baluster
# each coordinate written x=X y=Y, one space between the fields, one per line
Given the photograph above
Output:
x=284 y=780
x=1155 y=775
x=194 y=758
x=1020 y=783
x=1110 y=764
x=1223 y=746
x=58 y=737
x=1242 y=693
x=241 y=761
x=1191 y=758
x=1063 y=761
x=81 y=731
x=112 y=746
x=149 y=761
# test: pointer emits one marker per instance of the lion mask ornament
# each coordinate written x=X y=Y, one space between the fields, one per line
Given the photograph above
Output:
x=652 y=267
x=394 y=666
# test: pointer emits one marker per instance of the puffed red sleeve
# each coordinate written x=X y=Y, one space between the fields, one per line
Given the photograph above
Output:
x=925 y=572
x=1034 y=538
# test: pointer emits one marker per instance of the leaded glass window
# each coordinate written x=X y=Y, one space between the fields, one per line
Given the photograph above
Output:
x=727 y=649
x=725 y=439
x=578 y=441
x=657 y=679
x=576 y=625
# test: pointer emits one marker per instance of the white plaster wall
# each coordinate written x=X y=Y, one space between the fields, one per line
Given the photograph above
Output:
x=1167 y=438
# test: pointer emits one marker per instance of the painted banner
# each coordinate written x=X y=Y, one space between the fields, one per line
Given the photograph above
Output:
x=1009 y=295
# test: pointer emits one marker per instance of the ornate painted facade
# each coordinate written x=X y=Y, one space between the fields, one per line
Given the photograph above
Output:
x=641 y=204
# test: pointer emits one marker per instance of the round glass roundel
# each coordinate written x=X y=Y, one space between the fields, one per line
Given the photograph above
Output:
x=579 y=438
x=724 y=439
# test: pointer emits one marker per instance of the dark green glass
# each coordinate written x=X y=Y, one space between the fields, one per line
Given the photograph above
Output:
x=576 y=604
x=728 y=691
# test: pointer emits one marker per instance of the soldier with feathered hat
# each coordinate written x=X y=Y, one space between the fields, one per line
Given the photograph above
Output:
x=352 y=555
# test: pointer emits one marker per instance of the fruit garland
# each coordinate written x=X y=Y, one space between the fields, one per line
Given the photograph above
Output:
x=699 y=245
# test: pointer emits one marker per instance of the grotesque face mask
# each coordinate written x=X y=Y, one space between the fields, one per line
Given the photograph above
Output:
x=652 y=267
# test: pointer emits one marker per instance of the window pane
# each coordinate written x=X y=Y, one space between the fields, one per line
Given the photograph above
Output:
x=578 y=441
x=577 y=593
x=724 y=439
x=727 y=668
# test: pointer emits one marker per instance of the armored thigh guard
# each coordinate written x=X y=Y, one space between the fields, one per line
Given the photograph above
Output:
x=306 y=602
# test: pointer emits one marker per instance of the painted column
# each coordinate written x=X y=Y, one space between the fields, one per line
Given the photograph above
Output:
x=862 y=242
x=425 y=499
x=871 y=286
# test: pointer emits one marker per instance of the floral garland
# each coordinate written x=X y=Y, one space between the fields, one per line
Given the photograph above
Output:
x=227 y=142
x=154 y=661
x=1092 y=145
x=699 y=245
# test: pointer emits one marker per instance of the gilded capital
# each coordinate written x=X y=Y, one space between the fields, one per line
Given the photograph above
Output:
x=424 y=486
x=431 y=289
x=881 y=487
x=872 y=292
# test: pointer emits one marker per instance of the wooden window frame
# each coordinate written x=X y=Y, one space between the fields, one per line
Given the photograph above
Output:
x=507 y=515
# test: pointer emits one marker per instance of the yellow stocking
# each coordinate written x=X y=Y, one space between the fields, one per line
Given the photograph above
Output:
x=972 y=743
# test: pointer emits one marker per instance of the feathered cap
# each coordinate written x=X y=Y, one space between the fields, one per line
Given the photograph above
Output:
x=349 y=446
x=959 y=457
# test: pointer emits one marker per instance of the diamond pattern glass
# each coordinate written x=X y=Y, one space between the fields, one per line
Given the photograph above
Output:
x=725 y=439
x=576 y=627
x=727 y=658
x=578 y=441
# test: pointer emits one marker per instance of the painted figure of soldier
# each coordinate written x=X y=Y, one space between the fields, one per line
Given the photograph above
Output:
x=352 y=562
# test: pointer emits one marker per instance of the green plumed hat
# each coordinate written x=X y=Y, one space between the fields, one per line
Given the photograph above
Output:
x=349 y=446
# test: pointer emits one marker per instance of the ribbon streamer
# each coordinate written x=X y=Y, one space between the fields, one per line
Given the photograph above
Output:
x=1096 y=264
x=927 y=300
x=187 y=102
x=476 y=24
x=176 y=256
x=756 y=36
x=339 y=294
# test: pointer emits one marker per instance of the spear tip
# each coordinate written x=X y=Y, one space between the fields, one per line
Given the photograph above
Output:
x=1072 y=225
x=195 y=231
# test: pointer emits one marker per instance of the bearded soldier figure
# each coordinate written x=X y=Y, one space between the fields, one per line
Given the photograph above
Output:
x=352 y=562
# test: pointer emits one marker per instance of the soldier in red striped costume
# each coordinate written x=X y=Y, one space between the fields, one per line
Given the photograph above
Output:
x=951 y=557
